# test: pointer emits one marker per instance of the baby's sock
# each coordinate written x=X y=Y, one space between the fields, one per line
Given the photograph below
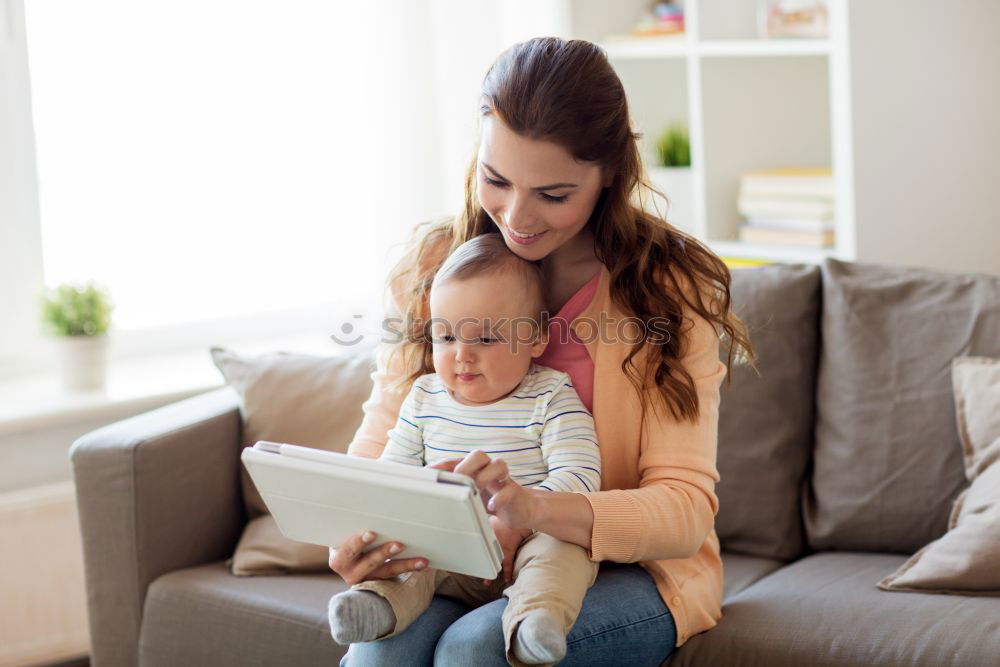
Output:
x=539 y=639
x=360 y=616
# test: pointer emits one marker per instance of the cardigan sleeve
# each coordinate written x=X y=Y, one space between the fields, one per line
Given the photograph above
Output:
x=672 y=512
x=381 y=410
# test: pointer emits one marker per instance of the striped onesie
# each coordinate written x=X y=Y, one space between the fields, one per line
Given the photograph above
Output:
x=542 y=430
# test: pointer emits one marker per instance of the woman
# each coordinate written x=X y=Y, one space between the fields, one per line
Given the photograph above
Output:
x=558 y=173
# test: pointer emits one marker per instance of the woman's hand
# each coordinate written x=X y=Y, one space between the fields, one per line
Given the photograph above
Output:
x=514 y=504
x=354 y=566
x=510 y=540
x=505 y=498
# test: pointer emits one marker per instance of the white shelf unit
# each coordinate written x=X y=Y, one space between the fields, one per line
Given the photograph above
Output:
x=749 y=104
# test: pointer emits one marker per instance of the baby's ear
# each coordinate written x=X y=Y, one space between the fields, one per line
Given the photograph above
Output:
x=541 y=342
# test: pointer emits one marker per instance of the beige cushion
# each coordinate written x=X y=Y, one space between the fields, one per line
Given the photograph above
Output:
x=300 y=399
x=966 y=560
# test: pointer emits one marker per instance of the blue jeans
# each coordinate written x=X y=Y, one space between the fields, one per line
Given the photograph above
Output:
x=623 y=622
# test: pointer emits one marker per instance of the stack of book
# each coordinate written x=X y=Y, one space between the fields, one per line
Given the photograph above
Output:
x=787 y=206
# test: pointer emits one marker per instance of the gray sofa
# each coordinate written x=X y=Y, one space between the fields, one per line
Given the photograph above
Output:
x=838 y=461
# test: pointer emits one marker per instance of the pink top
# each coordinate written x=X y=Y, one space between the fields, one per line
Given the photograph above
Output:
x=565 y=352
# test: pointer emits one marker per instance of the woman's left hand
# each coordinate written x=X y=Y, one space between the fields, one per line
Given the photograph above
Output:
x=505 y=498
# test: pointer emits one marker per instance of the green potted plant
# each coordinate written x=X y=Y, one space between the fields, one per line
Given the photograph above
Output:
x=77 y=317
x=672 y=176
x=674 y=147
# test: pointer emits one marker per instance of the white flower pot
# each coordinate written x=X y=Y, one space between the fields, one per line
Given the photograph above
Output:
x=676 y=184
x=82 y=361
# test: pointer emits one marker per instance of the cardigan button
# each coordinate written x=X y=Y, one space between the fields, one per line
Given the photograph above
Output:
x=676 y=600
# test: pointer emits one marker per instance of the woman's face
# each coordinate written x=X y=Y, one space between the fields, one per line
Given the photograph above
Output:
x=536 y=192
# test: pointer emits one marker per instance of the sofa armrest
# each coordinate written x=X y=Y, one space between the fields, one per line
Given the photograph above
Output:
x=155 y=493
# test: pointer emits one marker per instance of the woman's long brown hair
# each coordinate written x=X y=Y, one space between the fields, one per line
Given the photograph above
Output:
x=567 y=92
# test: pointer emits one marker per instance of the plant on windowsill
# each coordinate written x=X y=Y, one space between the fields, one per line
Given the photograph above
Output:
x=672 y=176
x=77 y=318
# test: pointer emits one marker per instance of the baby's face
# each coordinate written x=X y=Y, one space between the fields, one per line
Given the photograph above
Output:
x=483 y=342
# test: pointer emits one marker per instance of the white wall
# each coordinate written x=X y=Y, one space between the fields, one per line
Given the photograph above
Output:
x=926 y=90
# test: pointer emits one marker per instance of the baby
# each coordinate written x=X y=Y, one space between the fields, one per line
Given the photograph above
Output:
x=486 y=329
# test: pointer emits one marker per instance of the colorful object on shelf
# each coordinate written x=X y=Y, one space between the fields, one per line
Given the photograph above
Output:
x=792 y=18
x=662 y=18
x=742 y=263
x=791 y=206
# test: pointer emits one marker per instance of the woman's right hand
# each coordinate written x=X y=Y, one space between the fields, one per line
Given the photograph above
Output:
x=355 y=566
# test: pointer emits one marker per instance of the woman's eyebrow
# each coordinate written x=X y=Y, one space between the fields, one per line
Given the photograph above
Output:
x=551 y=186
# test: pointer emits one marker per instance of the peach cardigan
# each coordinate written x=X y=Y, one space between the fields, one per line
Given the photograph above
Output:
x=657 y=503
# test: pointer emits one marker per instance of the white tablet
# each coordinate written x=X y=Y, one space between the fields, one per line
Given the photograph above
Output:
x=323 y=498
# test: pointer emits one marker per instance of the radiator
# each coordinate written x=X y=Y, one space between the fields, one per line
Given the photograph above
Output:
x=43 y=613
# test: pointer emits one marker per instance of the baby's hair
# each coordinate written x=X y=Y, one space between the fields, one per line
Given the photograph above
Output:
x=488 y=254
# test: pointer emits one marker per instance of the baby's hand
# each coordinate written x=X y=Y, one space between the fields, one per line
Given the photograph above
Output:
x=510 y=540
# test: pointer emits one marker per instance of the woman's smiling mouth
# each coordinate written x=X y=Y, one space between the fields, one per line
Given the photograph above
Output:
x=524 y=239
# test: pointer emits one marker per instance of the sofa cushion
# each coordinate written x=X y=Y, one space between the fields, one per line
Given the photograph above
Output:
x=888 y=463
x=825 y=610
x=740 y=571
x=206 y=616
x=766 y=420
x=302 y=399
x=966 y=559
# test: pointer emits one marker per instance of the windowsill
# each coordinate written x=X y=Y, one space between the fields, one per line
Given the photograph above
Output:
x=133 y=385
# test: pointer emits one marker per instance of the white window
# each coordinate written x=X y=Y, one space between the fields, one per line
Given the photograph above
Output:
x=203 y=159
x=226 y=163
